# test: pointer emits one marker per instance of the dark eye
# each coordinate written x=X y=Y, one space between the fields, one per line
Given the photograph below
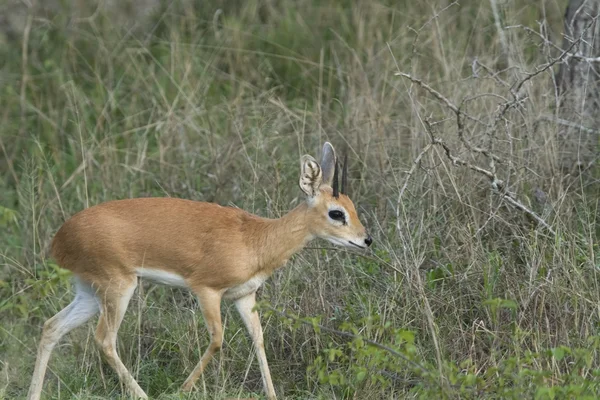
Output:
x=337 y=215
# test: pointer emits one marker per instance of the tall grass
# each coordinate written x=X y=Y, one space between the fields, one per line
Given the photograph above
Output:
x=209 y=106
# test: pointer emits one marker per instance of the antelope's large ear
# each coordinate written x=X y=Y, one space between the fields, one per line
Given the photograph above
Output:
x=310 y=176
x=328 y=163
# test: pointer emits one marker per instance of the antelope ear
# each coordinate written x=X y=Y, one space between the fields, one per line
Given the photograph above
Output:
x=310 y=176
x=328 y=163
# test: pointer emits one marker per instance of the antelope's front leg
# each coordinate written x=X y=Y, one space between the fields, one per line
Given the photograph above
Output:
x=245 y=307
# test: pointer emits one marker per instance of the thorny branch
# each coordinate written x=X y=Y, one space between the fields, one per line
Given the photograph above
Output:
x=460 y=115
x=431 y=90
x=515 y=88
x=497 y=185
x=555 y=46
x=542 y=68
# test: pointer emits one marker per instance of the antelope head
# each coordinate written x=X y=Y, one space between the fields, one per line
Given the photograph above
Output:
x=331 y=214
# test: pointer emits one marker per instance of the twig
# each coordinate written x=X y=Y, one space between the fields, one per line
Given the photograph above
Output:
x=493 y=74
x=460 y=162
x=554 y=45
x=431 y=90
x=459 y=116
x=527 y=211
x=498 y=185
x=567 y=123
x=515 y=88
x=416 y=162
x=461 y=129
x=542 y=68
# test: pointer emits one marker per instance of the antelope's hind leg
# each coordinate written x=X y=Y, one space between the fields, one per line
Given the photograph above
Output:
x=113 y=304
x=210 y=304
x=82 y=308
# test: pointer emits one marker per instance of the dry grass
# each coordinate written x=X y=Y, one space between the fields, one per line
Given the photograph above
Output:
x=219 y=107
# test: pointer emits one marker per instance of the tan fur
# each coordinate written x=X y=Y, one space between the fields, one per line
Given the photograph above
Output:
x=218 y=251
x=207 y=244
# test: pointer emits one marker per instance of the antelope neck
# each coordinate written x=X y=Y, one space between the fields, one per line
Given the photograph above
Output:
x=278 y=239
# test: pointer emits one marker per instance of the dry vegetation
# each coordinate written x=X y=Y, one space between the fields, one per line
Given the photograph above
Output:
x=483 y=279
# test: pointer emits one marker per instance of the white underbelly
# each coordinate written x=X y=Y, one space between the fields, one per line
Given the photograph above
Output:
x=162 y=277
x=172 y=279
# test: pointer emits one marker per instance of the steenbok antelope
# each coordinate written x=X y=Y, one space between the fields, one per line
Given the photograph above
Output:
x=217 y=252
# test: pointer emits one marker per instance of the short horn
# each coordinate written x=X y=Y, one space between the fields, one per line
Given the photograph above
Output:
x=345 y=175
x=336 y=192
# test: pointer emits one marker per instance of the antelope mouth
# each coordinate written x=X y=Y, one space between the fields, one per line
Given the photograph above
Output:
x=356 y=245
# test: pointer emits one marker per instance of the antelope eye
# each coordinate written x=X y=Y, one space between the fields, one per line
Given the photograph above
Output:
x=337 y=215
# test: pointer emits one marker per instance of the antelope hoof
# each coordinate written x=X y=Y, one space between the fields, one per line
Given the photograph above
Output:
x=187 y=387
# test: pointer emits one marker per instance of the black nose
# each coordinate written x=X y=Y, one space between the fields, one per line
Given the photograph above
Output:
x=368 y=240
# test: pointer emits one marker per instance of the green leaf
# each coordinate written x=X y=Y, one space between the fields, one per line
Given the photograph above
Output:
x=544 y=393
x=361 y=375
x=405 y=336
x=559 y=352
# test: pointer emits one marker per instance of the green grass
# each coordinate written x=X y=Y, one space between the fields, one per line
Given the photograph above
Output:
x=478 y=299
